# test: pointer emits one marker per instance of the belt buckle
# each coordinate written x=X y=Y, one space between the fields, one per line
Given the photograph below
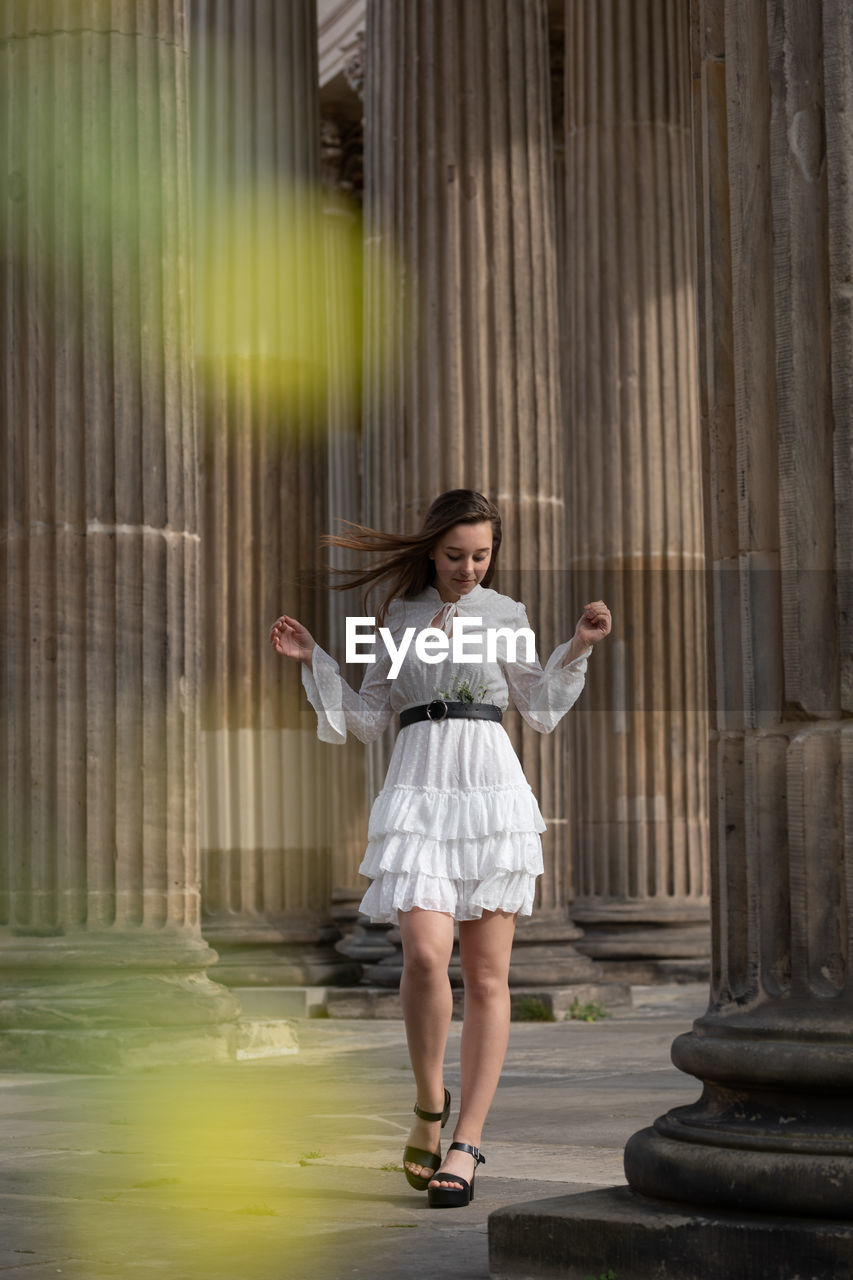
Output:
x=436 y=702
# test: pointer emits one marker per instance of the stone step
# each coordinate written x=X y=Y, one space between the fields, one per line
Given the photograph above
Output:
x=281 y=1002
x=550 y=1003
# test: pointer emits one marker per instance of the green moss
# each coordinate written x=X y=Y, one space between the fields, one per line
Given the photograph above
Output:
x=532 y=1009
x=592 y=1011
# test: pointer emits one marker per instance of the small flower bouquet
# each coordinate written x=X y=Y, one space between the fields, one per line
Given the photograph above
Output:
x=461 y=691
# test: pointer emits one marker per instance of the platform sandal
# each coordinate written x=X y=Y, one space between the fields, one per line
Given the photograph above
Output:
x=429 y=1159
x=456 y=1197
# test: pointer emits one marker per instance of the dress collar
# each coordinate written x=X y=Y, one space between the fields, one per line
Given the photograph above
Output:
x=444 y=611
x=476 y=592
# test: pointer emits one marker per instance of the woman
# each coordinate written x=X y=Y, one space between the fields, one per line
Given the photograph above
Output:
x=454 y=834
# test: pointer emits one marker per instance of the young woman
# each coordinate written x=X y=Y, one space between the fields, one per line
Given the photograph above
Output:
x=454 y=834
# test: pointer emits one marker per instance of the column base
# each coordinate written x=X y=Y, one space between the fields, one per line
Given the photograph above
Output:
x=344 y=913
x=104 y=1051
x=734 y=1166
x=616 y=1231
x=656 y=973
x=773 y=1129
x=544 y=954
x=646 y=944
x=618 y=936
x=388 y=970
x=368 y=943
x=111 y=1001
x=255 y=956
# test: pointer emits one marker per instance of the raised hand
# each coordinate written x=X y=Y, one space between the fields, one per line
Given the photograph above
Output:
x=289 y=638
x=595 y=623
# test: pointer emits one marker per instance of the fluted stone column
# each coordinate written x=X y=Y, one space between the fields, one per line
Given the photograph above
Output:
x=772 y=1131
x=462 y=362
x=261 y=362
x=756 y=1178
x=343 y=299
x=101 y=958
x=342 y=148
x=634 y=485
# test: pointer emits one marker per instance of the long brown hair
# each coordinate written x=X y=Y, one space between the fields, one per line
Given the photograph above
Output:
x=403 y=559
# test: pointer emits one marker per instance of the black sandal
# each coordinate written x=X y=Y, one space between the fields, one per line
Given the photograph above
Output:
x=429 y=1159
x=458 y=1196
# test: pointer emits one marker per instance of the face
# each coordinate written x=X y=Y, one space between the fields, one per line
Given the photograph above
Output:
x=461 y=556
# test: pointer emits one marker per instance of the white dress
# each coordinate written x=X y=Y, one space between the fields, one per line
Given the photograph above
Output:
x=456 y=826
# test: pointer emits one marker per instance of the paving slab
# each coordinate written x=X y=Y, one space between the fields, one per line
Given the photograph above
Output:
x=267 y=1169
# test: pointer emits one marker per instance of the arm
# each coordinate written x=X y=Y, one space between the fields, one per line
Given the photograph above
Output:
x=544 y=695
x=339 y=708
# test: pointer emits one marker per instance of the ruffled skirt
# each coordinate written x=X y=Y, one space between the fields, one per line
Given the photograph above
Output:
x=455 y=828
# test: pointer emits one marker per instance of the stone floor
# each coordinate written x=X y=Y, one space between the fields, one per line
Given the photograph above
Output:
x=289 y=1168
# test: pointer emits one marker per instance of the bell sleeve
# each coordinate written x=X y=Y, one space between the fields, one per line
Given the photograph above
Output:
x=339 y=708
x=544 y=695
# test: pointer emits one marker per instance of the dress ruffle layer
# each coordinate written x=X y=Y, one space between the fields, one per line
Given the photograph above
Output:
x=510 y=891
x=462 y=852
x=470 y=859
x=454 y=815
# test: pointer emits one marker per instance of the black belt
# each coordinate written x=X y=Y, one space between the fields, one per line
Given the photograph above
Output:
x=438 y=709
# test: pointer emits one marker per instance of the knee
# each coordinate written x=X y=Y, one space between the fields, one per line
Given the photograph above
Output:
x=485 y=984
x=424 y=963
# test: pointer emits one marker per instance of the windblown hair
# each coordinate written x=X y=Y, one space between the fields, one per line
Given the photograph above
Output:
x=403 y=559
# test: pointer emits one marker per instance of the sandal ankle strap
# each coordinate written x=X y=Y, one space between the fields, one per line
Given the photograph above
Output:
x=434 y=1116
x=472 y=1151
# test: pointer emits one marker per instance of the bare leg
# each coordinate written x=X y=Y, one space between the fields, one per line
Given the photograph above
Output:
x=427 y=1007
x=484 y=947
